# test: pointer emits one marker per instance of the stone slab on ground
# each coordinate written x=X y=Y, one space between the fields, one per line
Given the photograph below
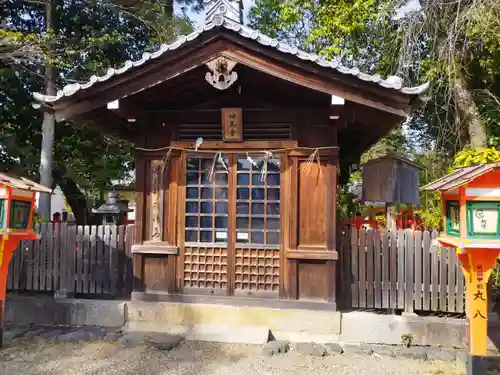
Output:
x=163 y=341
x=334 y=348
x=310 y=349
x=275 y=347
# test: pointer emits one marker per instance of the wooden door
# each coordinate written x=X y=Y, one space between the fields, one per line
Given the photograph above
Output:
x=205 y=246
x=257 y=229
x=231 y=225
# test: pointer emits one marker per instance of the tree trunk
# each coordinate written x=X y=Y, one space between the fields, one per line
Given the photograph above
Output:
x=48 y=119
x=75 y=198
x=469 y=113
x=168 y=8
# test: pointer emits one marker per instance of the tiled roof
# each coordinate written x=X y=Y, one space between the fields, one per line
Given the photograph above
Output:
x=22 y=183
x=392 y=82
x=460 y=177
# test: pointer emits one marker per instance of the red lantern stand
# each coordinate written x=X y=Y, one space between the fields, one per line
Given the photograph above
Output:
x=471 y=211
x=17 y=201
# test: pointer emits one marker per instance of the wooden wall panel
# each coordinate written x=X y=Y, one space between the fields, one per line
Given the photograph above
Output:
x=314 y=277
x=155 y=277
x=312 y=205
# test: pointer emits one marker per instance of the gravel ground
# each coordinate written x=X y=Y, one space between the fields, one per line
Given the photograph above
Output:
x=190 y=358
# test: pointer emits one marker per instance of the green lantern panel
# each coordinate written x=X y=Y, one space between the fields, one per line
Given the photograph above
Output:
x=2 y=215
x=453 y=218
x=483 y=219
x=20 y=214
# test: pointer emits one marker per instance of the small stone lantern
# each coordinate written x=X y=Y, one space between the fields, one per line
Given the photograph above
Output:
x=113 y=211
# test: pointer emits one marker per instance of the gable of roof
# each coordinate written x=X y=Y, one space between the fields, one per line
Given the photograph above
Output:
x=460 y=177
x=392 y=83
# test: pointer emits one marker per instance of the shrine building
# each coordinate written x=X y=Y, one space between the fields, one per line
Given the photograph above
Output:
x=241 y=141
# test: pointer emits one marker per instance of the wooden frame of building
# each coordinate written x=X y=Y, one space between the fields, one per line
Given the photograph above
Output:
x=238 y=138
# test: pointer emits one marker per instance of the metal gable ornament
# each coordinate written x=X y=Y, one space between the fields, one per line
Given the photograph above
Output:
x=229 y=9
x=221 y=76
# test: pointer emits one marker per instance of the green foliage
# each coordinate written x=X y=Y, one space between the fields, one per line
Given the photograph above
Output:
x=406 y=339
x=468 y=157
x=89 y=38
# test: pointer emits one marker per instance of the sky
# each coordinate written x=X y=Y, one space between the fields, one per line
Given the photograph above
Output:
x=410 y=5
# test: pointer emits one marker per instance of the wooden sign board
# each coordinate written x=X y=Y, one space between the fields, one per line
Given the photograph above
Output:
x=232 y=124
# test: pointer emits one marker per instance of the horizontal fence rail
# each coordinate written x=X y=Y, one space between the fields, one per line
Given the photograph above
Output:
x=404 y=269
x=71 y=259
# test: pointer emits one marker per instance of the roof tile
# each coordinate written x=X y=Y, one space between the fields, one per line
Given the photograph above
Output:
x=392 y=82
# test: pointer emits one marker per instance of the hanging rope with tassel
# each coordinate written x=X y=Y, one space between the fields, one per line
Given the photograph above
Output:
x=314 y=158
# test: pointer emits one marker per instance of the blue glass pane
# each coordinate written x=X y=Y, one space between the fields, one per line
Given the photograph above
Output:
x=221 y=193
x=273 y=223
x=273 y=238
x=221 y=208
x=242 y=208
x=273 y=194
x=207 y=208
x=192 y=193
x=207 y=193
x=243 y=179
x=191 y=222
x=257 y=179
x=258 y=194
x=192 y=178
x=221 y=222
x=258 y=223
x=191 y=207
x=273 y=166
x=257 y=237
x=191 y=236
x=206 y=222
x=273 y=208
x=258 y=208
x=273 y=179
x=243 y=193
x=242 y=222
x=206 y=236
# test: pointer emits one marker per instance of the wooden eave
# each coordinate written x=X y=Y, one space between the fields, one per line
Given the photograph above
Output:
x=220 y=42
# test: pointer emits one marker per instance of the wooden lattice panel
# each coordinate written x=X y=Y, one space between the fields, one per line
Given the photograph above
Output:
x=205 y=267
x=257 y=270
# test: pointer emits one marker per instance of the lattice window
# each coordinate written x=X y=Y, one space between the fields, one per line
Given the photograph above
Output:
x=257 y=270
x=258 y=202
x=205 y=267
x=207 y=201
